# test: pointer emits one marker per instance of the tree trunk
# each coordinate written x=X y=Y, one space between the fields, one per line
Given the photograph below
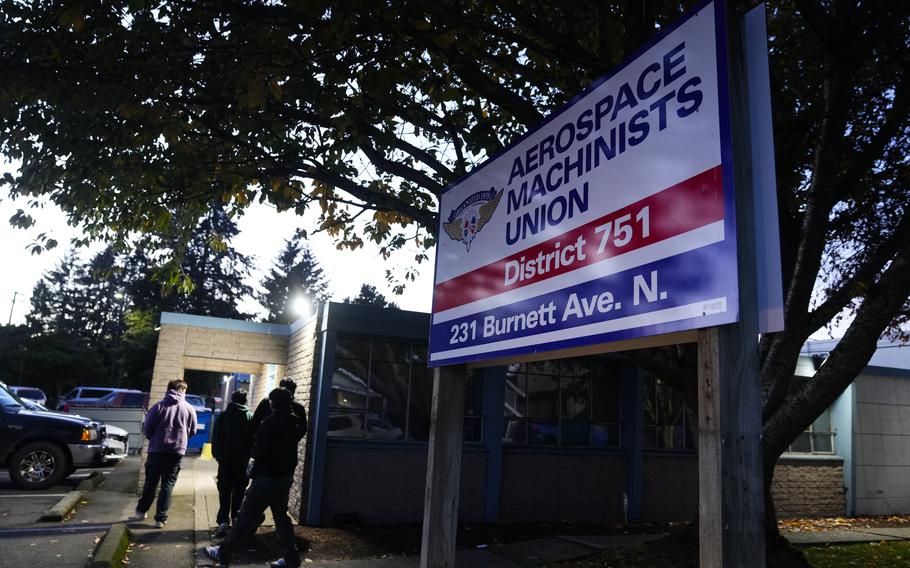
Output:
x=778 y=552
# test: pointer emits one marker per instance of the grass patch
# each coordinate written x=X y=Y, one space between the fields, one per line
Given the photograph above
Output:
x=885 y=554
x=632 y=557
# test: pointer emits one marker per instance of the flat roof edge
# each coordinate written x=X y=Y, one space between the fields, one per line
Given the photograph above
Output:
x=226 y=324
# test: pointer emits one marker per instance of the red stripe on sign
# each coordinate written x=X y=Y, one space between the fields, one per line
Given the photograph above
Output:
x=688 y=205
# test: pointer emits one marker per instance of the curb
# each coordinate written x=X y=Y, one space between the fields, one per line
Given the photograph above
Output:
x=66 y=504
x=91 y=482
x=69 y=501
x=112 y=549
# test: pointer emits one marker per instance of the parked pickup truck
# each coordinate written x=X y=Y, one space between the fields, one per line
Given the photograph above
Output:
x=41 y=448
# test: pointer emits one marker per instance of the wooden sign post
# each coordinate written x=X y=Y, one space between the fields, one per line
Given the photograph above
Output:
x=731 y=507
x=440 y=505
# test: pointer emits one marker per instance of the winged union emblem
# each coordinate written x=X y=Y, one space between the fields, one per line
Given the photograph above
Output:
x=466 y=220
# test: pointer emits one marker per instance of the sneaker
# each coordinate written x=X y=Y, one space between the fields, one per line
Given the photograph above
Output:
x=213 y=552
x=222 y=529
x=160 y=524
x=139 y=515
x=282 y=563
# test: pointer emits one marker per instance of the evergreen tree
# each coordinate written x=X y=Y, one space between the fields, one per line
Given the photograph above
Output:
x=295 y=272
x=102 y=285
x=370 y=296
x=216 y=273
x=58 y=300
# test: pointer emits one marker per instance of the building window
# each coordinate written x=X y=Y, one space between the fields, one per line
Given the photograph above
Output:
x=666 y=418
x=569 y=402
x=382 y=390
x=818 y=438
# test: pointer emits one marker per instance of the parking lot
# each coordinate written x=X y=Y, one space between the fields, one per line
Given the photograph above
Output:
x=26 y=541
x=19 y=507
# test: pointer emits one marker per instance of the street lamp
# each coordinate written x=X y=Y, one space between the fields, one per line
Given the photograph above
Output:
x=301 y=305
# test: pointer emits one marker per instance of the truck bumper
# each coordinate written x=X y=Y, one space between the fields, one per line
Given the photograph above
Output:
x=86 y=455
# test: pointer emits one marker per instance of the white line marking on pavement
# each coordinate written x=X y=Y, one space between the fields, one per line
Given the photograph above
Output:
x=35 y=495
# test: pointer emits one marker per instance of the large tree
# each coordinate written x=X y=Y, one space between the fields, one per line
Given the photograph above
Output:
x=133 y=111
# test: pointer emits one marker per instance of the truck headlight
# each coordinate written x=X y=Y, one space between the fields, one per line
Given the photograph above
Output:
x=90 y=434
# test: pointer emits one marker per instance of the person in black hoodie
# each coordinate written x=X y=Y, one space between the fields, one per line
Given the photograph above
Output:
x=232 y=441
x=264 y=408
x=274 y=461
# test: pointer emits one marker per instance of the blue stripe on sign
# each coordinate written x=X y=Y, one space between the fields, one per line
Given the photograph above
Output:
x=681 y=280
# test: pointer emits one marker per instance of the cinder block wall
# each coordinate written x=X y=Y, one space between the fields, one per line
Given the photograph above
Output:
x=809 y=488
x=304 y=346
x=386 y=485
x=551 y=486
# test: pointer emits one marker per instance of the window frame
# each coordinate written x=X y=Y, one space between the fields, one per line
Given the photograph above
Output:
x=812 y=433
x=523 y=373
x=796 y=383
x=689 y=439
x=413 y=349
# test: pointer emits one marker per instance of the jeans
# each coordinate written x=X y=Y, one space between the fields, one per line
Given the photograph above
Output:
x=264 y=492
x=232 y=482
x=163 y=468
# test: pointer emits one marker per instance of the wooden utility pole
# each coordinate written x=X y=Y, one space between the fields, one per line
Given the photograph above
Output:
x=440 y=504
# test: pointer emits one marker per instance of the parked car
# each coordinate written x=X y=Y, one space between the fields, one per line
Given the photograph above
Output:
x=30 y=393
x=116 y=444
x=116 y=440
x=40 y=448
x=117 y=399
x=81 y=395
x=197 y=402
x=351 y=426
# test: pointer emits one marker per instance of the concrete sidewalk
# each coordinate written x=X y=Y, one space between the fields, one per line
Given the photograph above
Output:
x=192 y=522
x=846 y=535
x=509 y=555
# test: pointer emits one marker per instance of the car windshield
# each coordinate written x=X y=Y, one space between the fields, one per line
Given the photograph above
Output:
x=29 y=393
x=8 y=399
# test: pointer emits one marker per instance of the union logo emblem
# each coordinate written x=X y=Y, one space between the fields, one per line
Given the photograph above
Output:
x=466 y=220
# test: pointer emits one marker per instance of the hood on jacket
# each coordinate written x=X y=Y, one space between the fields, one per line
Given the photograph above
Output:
x=238 y=406
x=174 y=397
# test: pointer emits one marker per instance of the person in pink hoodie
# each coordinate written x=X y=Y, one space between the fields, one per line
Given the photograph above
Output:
x=169 y=425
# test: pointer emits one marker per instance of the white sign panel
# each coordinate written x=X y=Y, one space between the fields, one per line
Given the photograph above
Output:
x=612 y=220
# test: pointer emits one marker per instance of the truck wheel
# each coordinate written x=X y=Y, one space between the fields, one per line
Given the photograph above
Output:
x=38 y=466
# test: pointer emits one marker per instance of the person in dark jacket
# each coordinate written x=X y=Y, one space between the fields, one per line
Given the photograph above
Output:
x=232 y=440
x=169 y=425
x=274 y=461
x=264 y=409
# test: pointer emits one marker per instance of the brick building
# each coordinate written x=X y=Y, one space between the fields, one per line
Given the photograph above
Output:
x=587 y=439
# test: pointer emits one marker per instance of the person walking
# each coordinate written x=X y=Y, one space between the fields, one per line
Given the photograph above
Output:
x=169 y=425
x=232 y=441
x=274 y=461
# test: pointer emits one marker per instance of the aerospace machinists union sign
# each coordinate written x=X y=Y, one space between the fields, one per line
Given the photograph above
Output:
x=612 y=220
